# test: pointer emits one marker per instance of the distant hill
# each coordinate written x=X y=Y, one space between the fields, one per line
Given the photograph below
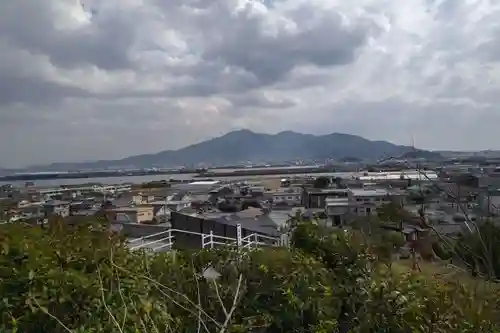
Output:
x=244 y=145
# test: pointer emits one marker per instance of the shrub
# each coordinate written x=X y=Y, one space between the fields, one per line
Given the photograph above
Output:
x=84 y=279
x=68 y=274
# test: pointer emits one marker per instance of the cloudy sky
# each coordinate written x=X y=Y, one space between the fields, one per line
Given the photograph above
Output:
x=94 y=79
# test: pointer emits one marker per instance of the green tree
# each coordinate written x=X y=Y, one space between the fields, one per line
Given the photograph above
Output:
x=321 y=182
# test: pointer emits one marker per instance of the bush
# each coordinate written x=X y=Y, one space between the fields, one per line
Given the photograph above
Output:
x=479 y=249
x=441 y=251
x=408 y=302
x=84 y=279
x=68 y=274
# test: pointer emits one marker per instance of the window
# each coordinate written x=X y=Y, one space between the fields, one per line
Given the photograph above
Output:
x=368 y=210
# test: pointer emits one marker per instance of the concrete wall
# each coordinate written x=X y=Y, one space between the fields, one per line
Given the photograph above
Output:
x=200 y=225
x=187 y=223
x=133 y=230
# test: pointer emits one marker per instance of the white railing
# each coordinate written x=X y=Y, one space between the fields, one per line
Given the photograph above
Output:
x=211 y=241
x=165 y=240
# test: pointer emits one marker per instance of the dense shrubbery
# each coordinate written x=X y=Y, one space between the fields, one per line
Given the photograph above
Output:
x=83 y=279
x=480 y=249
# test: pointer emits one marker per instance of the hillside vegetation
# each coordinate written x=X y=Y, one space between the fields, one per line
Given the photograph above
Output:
x=240 y=146
x=84 y=279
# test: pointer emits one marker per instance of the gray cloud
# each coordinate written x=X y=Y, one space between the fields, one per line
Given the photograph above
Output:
x=90 y=79
x=270 y=56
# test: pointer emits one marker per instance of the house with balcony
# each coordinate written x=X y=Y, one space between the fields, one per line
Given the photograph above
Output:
x=316 y=198
x=366 y=201
x=338 y=210
x=56 y=207
x=291 y=196
x=489 y=202
x=134 y=214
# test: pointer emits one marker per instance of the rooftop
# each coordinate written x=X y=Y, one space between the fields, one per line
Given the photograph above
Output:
x=129 y=209
x=252 y=219
x=414 y=175
x=56 y=203
x=205 y=182
x=336 y=201
x=369 y=192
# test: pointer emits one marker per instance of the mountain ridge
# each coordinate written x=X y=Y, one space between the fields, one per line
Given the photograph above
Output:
x=245 y=145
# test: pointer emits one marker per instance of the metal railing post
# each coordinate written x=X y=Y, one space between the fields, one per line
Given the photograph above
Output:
x=170 y=239
x=256 y=240
x=238 y=235
x=211 y=239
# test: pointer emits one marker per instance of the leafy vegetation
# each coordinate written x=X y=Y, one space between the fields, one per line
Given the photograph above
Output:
x=321 y=182
x=479 y=249
x=84 y=279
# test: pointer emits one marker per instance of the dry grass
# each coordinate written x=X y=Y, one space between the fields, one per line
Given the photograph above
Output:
x=445 y=272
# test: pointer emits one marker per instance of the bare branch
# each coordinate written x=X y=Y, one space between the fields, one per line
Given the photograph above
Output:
x=52 y=316
x=220 y=298
x=125 y=310
x=159 y=285
x=104 y=300
x=233 y=307
x=198 y=293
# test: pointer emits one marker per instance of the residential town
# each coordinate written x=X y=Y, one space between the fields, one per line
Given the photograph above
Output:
x=159 y=215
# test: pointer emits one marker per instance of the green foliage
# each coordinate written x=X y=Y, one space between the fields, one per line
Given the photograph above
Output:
x=321 y=182
x=347 y=256
x=391 y=212
x=84 y=279
x=385 y=243
x=410 y=303
x=479 y=249
x=442 y=251
x=281 y=291
x=5 y=206
x=69 y=274
x=380 y=299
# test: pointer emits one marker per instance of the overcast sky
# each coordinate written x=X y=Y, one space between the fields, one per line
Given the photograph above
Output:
x=104 y=79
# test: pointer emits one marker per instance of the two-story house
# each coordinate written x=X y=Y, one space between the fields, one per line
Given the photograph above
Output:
x=366 y=201
x=338 y=210
x=288 y=196
x=56 y=207
x=135 y=214
x=356 y=202
x=316 y=198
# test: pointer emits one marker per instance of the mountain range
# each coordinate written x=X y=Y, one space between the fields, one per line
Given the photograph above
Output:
x=244 y=145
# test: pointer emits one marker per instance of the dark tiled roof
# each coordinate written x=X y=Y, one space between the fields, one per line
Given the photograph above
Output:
x=179 y=195
x=262 y=224
x=56 y=203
